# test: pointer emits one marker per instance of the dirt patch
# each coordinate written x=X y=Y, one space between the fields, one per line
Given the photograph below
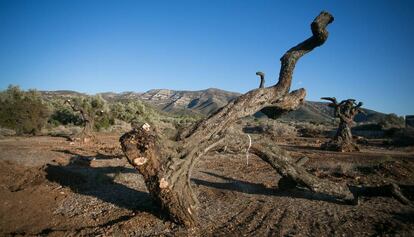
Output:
x=51 y=187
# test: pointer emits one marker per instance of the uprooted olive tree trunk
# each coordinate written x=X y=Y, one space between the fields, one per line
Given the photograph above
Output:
x=86 y=134
x=346 y=111
x=166 y=165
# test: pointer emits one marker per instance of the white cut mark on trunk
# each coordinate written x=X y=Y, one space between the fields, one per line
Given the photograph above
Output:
x=146 y=127
x=248 y=148
x=163 y=183
x=140 y=160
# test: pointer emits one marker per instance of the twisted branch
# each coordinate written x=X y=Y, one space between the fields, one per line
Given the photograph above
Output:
x=168 y=182
x=262 y=79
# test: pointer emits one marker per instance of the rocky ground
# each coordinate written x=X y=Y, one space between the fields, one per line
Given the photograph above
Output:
x=51 y=187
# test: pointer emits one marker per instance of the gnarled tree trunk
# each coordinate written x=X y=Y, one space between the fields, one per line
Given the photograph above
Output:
x=346 y=110
x=166 y=165
x=86 y=134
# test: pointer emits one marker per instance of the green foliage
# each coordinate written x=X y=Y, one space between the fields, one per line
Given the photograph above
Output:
x=137 y=112
x=96 y=109
x=24 y=112
x=104 y=121
x=64 y=116
x=392 y=121
x=29 y=112
x=134 y=112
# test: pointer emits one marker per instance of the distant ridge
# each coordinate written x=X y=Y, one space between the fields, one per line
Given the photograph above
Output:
x=210 y=100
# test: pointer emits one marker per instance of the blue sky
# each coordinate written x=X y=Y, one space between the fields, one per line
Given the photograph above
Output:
x=98 y=46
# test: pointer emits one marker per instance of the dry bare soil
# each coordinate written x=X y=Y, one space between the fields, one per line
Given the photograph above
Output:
x=50 y=187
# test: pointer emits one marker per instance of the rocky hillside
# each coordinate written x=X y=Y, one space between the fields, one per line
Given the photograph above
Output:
x=319 y=112
x=207 y=101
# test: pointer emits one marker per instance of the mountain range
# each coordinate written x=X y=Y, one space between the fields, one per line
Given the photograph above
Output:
x=207 y=101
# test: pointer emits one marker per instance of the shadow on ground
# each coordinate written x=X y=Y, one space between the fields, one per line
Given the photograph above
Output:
x=298 y=192
x=99 y=182
x=260 y=189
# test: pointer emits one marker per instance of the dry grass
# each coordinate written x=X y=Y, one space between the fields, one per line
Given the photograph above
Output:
x=282 y=130
x=271 y=127
x=4 y=132
x=338 y=168
x=61 y=131
x=119 y=126
x=307 y=129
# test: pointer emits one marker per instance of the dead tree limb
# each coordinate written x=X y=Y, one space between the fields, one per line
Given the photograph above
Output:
x=167 y=165
x=346 y=111
x=283 y=164
x=262 y=79
x=291 y=170
x=388 y=189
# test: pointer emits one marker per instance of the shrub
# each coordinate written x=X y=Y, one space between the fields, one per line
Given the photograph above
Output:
x=403 y=137
x=24 y=112
x=273 y=128
x=135 y=112
x=279 y=129
x=368 y=127
x=94 y=106
x=307 y=129
x=64 y=116
x=391 y=121
x=63 y=131
x=6 y=132
x=104 y=121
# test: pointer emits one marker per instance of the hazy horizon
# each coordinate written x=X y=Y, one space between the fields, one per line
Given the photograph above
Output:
x=118 y=46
